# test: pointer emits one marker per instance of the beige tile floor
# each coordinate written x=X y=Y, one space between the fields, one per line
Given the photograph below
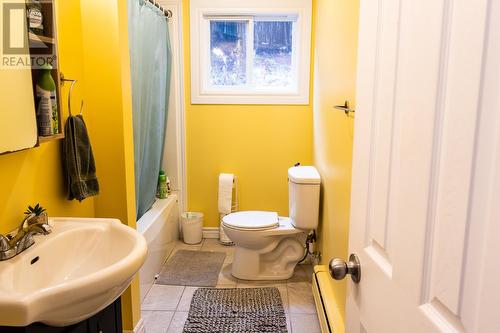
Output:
x=165 y=308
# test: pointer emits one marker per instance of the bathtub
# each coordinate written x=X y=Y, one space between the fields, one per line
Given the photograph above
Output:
x=160 y=227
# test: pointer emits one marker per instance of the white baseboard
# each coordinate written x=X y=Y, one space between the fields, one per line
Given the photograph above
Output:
x=211 y=232
x=139 y=328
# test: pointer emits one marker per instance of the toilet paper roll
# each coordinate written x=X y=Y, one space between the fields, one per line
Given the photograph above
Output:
x=225 y=192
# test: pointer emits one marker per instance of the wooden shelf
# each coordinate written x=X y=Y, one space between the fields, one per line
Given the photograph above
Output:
x=42 y=139
x=46 y=46
x=36 y=39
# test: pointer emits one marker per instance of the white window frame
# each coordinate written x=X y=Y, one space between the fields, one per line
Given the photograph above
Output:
x=201 y=11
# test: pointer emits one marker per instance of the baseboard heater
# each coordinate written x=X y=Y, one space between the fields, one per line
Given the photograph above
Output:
x=326 y=306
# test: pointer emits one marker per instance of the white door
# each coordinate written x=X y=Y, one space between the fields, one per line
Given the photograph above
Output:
x=425 y=207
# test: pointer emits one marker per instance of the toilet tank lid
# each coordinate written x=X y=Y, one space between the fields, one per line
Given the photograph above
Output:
x=304 y=175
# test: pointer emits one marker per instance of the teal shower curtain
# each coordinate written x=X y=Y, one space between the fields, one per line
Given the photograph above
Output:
x=150 y=63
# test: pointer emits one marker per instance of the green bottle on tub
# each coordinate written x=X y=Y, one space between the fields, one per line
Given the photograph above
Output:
x=162 y=191
x=46 y=112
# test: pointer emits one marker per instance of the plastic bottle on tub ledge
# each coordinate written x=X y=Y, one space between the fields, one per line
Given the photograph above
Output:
x=162 y=190
x=169 y=187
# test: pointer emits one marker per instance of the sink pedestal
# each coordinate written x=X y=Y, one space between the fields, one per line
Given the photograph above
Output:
x=108 y=320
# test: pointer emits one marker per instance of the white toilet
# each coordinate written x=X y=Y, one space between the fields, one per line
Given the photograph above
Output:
x=268 y=246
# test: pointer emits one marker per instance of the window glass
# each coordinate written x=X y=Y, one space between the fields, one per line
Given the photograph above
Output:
x=272 y=65
x=250 y=55
x=228 y=53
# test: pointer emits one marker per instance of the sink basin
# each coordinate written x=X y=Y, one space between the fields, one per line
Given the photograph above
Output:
x=71 y=274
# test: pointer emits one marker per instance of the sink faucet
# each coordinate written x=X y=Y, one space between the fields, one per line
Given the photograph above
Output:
x=21 y=238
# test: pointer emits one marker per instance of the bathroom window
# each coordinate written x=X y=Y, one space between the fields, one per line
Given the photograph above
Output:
x=258 y=55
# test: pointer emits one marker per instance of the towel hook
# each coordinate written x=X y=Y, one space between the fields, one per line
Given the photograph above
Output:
x=73 y=82
x=346 y=108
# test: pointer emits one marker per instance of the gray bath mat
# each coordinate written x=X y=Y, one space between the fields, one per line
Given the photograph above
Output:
x=242 y=310
x=192 y=268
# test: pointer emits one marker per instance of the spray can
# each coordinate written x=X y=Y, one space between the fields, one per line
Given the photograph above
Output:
x=47 y=116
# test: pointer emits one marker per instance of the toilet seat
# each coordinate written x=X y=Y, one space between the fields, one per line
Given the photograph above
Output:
x=251 y=220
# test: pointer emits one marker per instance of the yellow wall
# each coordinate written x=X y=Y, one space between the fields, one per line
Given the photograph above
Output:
x=35 y=175
x=258 y=143
x=32 y=176
x=336 y=24
x=100 y=63
x=108 y=111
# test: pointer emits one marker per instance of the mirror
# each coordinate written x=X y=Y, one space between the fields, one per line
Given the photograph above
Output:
x=17 y=112
x=18 y=129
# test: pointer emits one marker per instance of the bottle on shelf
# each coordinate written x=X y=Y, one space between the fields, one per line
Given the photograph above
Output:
x=35 y=16
x=46 y=110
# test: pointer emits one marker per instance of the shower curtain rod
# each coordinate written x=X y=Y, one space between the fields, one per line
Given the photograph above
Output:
x=166 y=12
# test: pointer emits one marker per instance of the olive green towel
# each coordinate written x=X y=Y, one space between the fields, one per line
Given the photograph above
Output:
x=78 y=160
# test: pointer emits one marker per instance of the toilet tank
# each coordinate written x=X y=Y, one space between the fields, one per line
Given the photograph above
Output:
x=303 y=196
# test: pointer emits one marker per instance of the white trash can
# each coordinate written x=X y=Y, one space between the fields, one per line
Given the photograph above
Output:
x=192 y=227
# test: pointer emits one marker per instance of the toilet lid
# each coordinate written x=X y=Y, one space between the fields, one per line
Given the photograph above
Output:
x=254 y=220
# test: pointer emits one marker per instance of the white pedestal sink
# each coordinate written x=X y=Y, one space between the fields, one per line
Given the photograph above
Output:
x=71 y=274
